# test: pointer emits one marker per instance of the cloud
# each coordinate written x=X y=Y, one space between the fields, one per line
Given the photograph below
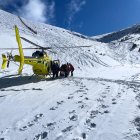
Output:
x=74 y=7
x=37 y=10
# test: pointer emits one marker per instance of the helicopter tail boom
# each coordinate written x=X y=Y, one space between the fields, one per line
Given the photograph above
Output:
x=20 y=50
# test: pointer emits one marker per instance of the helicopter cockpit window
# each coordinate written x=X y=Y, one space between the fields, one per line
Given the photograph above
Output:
x=37 y=54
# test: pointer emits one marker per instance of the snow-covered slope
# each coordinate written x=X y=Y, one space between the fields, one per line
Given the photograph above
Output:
x=101 y=101
x=50 y=36
x=121 y=35
x=124 y=44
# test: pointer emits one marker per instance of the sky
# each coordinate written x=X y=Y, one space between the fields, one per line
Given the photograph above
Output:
x=88 y=17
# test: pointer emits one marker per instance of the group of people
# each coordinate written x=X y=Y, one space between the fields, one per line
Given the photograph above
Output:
x=64 y=71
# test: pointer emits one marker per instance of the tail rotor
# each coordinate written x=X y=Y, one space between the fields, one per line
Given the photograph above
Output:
x=9 y=58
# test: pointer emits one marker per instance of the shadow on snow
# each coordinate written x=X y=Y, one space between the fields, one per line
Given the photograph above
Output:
x=9 y=81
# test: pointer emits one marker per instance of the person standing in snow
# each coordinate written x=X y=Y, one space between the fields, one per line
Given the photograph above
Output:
x=55 y=69
x=70 y=68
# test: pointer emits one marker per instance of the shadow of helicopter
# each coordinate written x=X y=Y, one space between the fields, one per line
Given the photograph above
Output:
x=10 y=81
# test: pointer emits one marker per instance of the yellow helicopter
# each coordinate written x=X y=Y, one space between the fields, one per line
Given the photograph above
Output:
x=40 y=61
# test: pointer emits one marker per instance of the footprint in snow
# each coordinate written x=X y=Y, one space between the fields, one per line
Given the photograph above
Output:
x=81 y=96
x=138 y=97
x=41 y=136
x=118 y=96
x=103 y=96
x=104 y=92
x=79 y=102
x=60 y=102
x=53 y=108
x=135 y=90
x=122 y=90
x=104 y=106
x=50 y=126
x=80 y=90
x=32 y=123
x=90 y=124
x=138 y=106
x=94 y=113
x=70 y=97
x=103 y=84
x=84 y=135
x=73 y=111
x=113 y=99
x=73 y=118
x=132 y=87
x=23 y=128
x=106 y=111
x=114 y=103
x=37 y=117
x=137 y=123
x=100 y=100
x=86 y=98
x=108 y=87
x=67 y=129
x=82 y=106
x=85 y=93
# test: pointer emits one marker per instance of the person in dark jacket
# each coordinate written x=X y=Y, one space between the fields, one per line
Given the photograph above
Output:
x=62 y=73
x=64 y=70
x=55 y=69
x=71 y=68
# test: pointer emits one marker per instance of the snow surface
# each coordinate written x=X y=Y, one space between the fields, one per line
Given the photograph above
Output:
x=100 y=102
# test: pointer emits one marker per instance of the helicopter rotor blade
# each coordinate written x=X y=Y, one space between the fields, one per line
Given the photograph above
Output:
x=17 y=48
x=8 y=48
x=32 y=30
x=28 y=49
x=43 y=48
x=46 y=48
x=73 y=47
x=27 y=40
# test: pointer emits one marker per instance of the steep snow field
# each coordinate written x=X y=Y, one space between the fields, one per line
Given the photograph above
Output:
x=101 y=101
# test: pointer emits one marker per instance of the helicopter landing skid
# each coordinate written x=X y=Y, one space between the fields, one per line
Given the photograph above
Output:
x=31 y=77
x=40 y=76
